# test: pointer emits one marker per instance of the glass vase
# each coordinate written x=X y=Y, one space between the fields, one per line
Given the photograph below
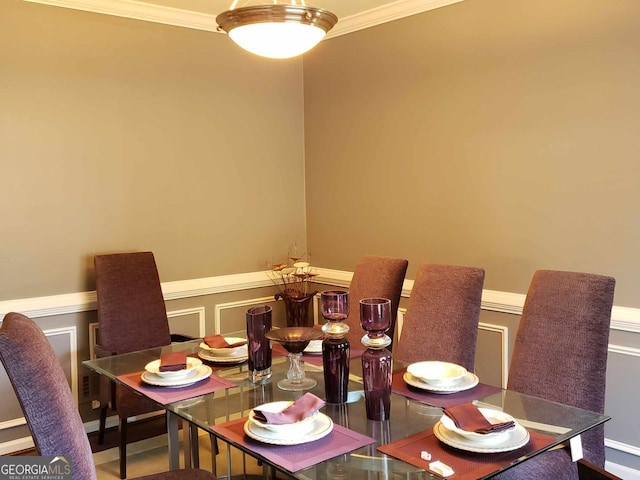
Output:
x=334 y=306
x=297 y=309
x=376 y=376
x=335 y=361
x=375 y=318
x=259 y=346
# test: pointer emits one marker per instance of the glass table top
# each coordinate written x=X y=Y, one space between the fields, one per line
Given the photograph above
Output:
x=407 y=416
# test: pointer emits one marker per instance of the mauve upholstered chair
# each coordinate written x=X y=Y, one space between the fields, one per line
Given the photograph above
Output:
x=560 y=354
x=48 y=404
x=131 y=316
x=441 y=322
x=374 y=277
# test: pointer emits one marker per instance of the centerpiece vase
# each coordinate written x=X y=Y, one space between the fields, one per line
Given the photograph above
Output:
x=375 y=318
x=297 y=308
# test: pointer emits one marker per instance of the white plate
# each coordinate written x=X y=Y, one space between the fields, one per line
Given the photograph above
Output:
x=226 y=360
x=202 y=372
x=229 y=351
x=492 y=415
x=322 y=426
x=470 y=380
x=314 y=348
x=514 y=439
x=192 y=364
x=442 y=374
x=297 y=428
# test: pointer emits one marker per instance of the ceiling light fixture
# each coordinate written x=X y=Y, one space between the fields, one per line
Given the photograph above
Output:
x=276 y=30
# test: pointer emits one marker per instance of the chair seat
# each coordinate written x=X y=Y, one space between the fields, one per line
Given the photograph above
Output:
x=555 y=464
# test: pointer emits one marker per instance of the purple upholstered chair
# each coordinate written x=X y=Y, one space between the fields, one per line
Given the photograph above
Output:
x=131 y=316
x=48 y=405
x=379 y=277
x=442 y=316
x=560 y=354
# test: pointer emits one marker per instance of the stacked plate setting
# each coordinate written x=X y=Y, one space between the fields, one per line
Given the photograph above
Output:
x=503 y=441
x=313 y=427
x=194 y=372
x=439 y=377
x=227 y=355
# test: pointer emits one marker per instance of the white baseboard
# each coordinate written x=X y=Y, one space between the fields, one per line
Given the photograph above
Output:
x=621 y=471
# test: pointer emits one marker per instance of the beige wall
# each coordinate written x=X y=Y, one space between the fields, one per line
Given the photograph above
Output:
x=118 y=135
x=495 y=133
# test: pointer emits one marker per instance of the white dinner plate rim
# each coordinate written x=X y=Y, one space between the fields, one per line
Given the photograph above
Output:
x=518 y=438
x=193 y=363
x=203 y=371
x=227 y=360
x=471 y=380
x=323 y=428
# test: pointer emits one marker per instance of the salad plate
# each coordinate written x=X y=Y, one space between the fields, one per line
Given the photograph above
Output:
x=231 y=360
x=468 y=381
x=196 y=375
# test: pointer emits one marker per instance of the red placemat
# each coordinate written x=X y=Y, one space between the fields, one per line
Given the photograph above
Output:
x=279 y=350
x=399 y=386
x=292 y=458
x=164 y=395
x=466 y=465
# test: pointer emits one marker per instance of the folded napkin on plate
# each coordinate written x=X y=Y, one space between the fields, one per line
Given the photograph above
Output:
x=467 y=417
x=172 y=362
x=302 y=408
x=218 y=341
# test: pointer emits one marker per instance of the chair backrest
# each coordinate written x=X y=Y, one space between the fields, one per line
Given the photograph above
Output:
x=131 y=311
x=374 y=277
x=560 y=350
x=44 y=394
x=442 y=316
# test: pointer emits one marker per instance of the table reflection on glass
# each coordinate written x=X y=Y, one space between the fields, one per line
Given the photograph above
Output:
x=556 y=423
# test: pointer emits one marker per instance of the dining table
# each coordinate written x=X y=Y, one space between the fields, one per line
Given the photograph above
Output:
x=410 y=444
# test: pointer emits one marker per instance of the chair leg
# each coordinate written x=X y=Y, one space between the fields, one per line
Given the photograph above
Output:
x=122 y=429
x=102 y=425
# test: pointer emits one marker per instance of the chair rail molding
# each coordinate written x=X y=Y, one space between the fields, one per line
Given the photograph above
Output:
x=625 y=319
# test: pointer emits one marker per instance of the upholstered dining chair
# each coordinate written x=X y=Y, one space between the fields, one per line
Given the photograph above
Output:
x=560 y=354
x=48 y=404
x=441 y=322
x=374 y=276
x=131 y=316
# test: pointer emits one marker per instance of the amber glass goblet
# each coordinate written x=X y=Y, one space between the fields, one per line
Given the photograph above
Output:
x=295 y=340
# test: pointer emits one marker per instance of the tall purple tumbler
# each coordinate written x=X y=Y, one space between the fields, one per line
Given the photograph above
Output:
x=259 y=346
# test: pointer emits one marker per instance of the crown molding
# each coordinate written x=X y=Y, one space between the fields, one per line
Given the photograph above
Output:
x=203 y=21
x=384 y=14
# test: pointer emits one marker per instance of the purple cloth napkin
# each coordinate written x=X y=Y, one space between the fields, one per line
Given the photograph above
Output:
x=467 y=417
x=173 y=362
x=302 y=408
x=218 y=341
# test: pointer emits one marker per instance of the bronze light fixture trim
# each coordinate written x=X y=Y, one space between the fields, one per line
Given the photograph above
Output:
x=276 y=30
